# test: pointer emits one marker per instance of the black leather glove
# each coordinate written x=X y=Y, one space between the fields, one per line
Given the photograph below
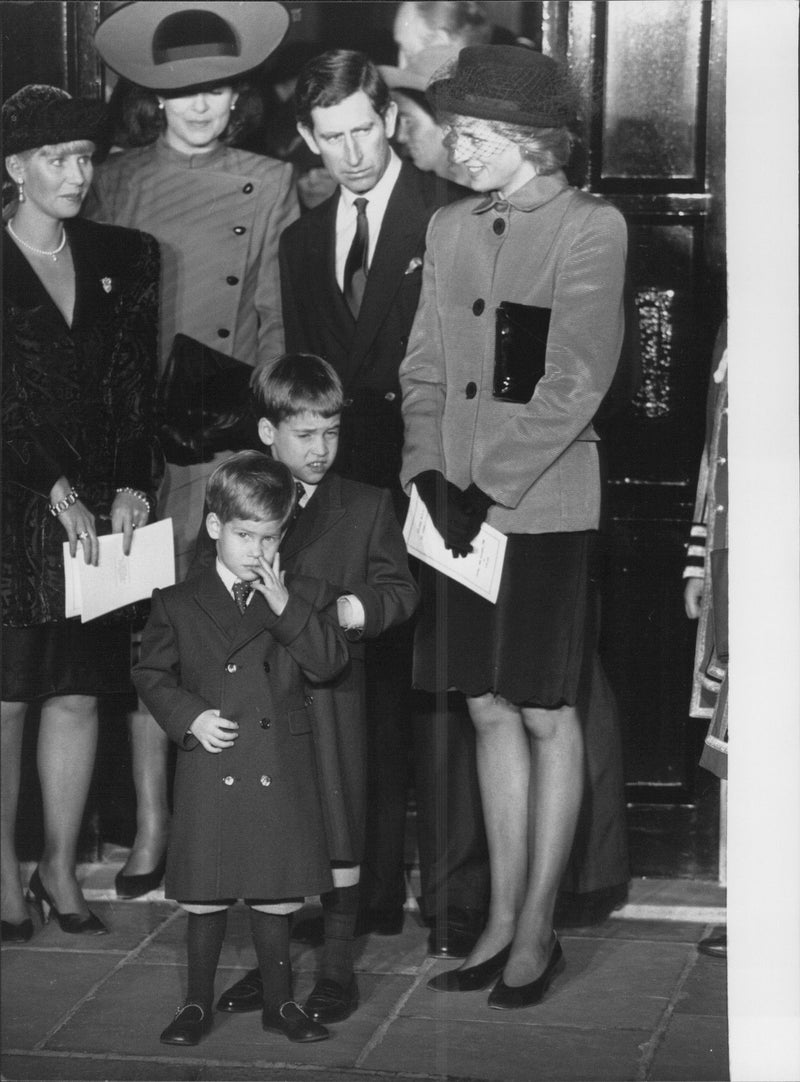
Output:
x=456 y=522
x=475 y=506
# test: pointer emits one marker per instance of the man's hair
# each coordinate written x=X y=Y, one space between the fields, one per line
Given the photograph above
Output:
x=333 y=76
x=252 y=486
x=464 y=21
x=296 y=383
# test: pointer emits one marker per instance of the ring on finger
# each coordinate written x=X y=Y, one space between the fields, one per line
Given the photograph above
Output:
x=83 y=535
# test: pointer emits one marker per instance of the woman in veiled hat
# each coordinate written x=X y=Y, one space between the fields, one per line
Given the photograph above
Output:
x=80 y=312
x=515 y=344
x=218 y=213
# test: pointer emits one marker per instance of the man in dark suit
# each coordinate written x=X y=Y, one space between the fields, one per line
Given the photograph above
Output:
x=350 y=279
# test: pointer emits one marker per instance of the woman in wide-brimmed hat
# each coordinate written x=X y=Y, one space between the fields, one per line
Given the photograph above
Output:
x=515 y=344
x=217 y=212
x=80 y=309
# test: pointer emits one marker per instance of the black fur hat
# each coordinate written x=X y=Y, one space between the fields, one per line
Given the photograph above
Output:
x=38 y=116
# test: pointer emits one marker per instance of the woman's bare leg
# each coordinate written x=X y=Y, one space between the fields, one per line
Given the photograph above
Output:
x=12 y=724
x=503 y=759
x=149 y=752
x=65 y=756
x=556 y=787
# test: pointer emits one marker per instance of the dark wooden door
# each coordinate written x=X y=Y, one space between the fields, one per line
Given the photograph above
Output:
x=651 y=77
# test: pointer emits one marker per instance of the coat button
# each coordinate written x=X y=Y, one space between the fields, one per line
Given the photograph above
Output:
x=265 y=780
x=228 y=780
x=239 y=230
x=265 y=723
x=390 y=396
x=266 y=666
x=478 y=307
x=471 y=389
x=308 y=700
x=499 y=226
x=223 y=332
x=247 y=189
x=232 y=280
x=230 y=667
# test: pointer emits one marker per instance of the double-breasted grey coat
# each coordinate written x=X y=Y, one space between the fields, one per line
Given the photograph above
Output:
x=248 y=822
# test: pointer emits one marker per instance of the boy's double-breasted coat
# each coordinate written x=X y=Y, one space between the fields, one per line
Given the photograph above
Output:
x=248 y=822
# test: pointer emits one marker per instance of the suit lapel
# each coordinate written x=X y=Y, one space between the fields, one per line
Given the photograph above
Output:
x=332 y=305
x=402 y=233
x=320 y=515
x=217 y=603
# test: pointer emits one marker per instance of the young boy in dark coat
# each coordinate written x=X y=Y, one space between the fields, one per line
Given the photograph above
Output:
x=347 y=533
x=224 y=668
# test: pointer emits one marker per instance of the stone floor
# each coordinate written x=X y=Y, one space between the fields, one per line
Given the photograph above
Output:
x=636 y=1002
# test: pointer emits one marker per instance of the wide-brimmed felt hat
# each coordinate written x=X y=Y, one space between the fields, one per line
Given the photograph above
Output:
x=172 y=46
x=507 y=83
x=38 y=116
x=420 y=69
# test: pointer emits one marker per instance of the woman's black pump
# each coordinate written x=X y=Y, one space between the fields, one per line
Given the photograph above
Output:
x=73 y=923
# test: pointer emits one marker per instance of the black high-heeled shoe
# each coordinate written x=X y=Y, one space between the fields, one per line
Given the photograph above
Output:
x=504 y=997
x=16 y=933
x=473 y=978
x=73 y=923
x=134 y=886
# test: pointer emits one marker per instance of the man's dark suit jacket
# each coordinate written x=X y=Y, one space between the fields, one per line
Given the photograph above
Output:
x=366 y=353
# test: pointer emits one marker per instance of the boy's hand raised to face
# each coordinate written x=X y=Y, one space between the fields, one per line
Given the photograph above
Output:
x=214 y=733
x=272 y=585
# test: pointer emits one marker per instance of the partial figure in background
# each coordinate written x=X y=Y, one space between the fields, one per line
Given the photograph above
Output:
x=538 y=268
x=706 y=589
x=80 y=312
x=217 y=213
x=425 y=24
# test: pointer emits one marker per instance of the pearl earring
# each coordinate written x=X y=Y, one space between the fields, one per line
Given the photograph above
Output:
x=20 y=191
x=233 y=108
x=161 y=105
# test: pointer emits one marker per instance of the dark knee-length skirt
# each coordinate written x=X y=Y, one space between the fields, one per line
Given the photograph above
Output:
x=65 y=659
x=531 y=645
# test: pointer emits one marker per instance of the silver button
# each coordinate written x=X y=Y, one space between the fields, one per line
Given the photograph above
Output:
x=230 y=667
x=265 y=780
x=720 y=506
x=390 y=396
x=722 y=461
x=228 y=780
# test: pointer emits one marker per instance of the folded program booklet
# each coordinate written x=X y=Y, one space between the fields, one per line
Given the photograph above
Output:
x=119 y=580
x=480 y=570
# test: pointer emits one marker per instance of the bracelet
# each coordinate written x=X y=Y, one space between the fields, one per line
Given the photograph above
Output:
x=59 y=508
x=139 y=496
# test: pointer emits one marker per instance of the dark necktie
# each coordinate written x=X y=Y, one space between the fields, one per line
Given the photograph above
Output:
x=241 y=592
x=301 y=495
x=355 y=269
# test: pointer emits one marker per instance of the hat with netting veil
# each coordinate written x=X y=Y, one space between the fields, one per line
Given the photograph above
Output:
x=40 y=116
x=508 y=83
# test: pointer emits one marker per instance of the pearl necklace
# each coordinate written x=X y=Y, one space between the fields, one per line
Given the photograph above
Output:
x=38 y=251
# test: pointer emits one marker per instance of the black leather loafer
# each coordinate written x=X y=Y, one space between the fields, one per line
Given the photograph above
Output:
x=456 y=934
x=246 y=995
x=292 y=1021
x=508 y=998
x=473 y=978
x=331 y=1001
x=189 y=1025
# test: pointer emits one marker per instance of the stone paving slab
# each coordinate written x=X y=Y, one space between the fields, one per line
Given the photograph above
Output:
x=528 y=1053
x=693 y=1048
x=42 y=1068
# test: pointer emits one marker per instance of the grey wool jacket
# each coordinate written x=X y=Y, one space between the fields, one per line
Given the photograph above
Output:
x=547 y=245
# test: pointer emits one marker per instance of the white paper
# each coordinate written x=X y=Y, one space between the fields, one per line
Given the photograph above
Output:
x=480 y=570
x=118 y=579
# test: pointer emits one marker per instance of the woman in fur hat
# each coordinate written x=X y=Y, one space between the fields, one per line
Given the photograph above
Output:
x=80 y=310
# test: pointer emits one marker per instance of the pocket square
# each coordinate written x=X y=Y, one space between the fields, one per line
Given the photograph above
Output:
x=413 y=264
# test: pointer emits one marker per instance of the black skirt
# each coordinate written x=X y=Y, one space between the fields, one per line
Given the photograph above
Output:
x=65 y=659
x=529 y=647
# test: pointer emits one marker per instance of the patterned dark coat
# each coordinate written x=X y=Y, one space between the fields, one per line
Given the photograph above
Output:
x=77 y=401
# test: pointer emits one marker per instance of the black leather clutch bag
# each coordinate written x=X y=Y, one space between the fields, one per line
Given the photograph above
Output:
x=520 y=346
x=204 y=404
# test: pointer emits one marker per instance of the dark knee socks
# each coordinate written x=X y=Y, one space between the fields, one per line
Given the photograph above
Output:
x=270 y=933
x=204 y=942
x=339 y=910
